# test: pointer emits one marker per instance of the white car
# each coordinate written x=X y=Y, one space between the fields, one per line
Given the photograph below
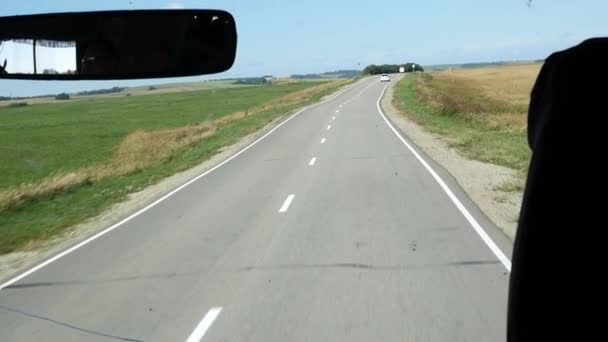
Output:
x=385 y=78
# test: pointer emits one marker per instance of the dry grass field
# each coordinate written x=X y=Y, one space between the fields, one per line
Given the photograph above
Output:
x=480 y=112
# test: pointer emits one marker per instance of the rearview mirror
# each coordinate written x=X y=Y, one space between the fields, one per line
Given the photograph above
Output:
x=116 y=44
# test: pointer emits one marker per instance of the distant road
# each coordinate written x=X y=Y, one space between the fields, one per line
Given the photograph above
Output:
x=328 y=229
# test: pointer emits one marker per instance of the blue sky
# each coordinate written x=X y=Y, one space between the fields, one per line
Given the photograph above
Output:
x=283 y=37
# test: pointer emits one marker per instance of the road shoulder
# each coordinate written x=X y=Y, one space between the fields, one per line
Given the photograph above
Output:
x=480 y=181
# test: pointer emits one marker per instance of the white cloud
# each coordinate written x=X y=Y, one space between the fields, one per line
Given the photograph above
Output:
x=175 y=5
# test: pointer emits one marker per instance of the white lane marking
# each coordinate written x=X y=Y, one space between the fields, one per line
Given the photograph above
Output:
x=204 y=325
x=328 y=127
x=149 y=206
x=369 y=85
x=482 y=233
x=323 y=141
x=312 y=161
x=333 y=118
x=287 y=203
x=338 y=111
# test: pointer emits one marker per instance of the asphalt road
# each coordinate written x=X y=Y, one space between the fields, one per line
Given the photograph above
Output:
x=327 y=229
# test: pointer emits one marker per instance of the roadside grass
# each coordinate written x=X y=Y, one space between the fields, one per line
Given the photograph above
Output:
x=38 y=141
x=513 y=186
x=121 y=146
x=481 y=113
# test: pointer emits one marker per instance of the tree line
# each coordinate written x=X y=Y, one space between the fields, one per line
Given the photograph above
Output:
x=101 y=91
x=252 y=81
x=391 y=68
x=329 y=74
x=9 y=98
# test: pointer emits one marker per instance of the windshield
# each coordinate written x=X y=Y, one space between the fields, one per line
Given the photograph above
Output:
x=300 y=195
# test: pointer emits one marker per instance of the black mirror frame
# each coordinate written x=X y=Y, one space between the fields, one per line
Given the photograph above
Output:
x=64 y=15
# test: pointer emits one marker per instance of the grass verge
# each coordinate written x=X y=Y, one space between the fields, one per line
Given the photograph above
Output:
x=140 y=145
x=479 y=126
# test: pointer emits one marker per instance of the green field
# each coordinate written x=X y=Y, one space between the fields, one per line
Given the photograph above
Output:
x=189 y=86
x=96 y=140
x=40 y=140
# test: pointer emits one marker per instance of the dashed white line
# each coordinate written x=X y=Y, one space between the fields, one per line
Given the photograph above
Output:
x=287 y=203
x=328 y=127
x=312 y=161
x=323 y=141
x=204 y=325
x=338 y=111
x=163 y=198
x=463 y=210
x=333 y=118
x=364 y=89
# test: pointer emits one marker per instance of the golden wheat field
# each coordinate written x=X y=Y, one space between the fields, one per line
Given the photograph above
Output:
x=508 y=83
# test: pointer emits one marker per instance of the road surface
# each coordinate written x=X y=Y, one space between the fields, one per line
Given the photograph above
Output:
x=328 y=229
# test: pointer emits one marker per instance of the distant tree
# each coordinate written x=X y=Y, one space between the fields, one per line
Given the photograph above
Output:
x=62 y=96
x=101 y=91
x=481 y=65
x=151 y=88
x=329 y=74
x=50 y=72
x=18 y=104
x=390 y=68
x=413 y=67
x=251 y=81
x=305 y=76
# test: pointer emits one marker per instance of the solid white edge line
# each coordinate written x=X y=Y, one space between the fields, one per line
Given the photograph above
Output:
x=476 y=226
x=323 y=141
x=287 y=203
x=204 y=325
x=312 y=161
x=146 y=208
